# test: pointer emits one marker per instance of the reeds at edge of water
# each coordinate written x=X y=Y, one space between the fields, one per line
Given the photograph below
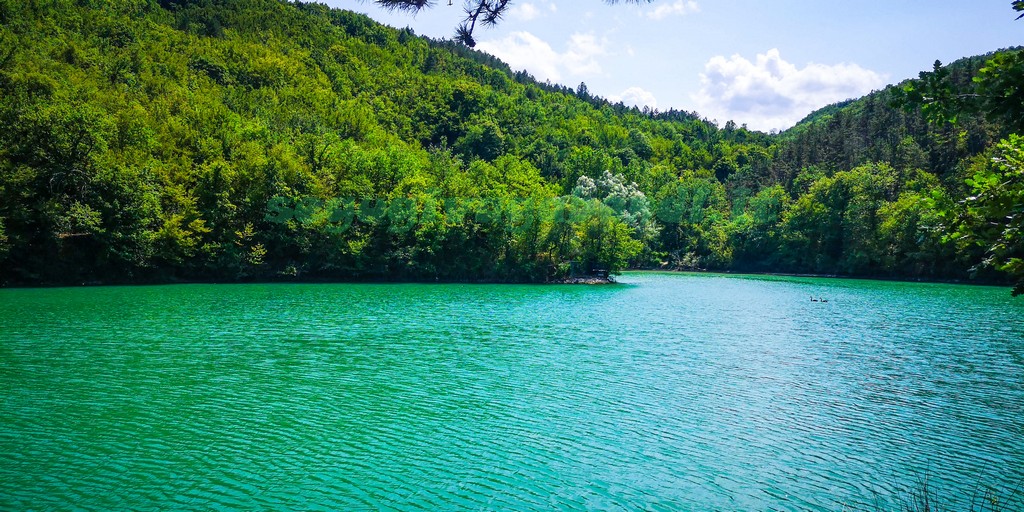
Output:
x=922 y=498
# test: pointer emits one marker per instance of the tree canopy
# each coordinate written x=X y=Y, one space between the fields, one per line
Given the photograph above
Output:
x=992 y=214
x=256 y=139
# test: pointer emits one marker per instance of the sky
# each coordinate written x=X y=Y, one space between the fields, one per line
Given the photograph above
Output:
x=766 y=64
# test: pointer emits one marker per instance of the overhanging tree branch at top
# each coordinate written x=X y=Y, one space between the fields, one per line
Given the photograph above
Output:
x=486 y=12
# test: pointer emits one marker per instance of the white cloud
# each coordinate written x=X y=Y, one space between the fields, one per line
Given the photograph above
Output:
x=553 y=7
x=635 y=96
x=523 y=50
x=771 y=93
x=677 y=8
x=580 y=59
x=524 y=12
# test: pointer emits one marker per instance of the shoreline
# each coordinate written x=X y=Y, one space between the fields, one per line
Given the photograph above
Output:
x=966 y=282
x=572 y=280
x=575 y=280
x=585 y=280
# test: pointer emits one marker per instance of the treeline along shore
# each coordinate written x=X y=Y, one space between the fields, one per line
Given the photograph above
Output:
x=170 y=141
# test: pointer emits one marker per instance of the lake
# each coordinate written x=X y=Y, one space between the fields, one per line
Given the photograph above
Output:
x=664 y=392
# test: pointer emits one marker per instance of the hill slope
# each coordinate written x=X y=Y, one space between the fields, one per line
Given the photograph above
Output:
x=257 y=139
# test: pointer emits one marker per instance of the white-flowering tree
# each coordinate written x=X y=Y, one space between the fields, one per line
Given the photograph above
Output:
x=624 y=198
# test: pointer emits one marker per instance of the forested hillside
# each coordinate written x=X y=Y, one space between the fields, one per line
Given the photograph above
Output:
x=227 y=140
x=874 y=129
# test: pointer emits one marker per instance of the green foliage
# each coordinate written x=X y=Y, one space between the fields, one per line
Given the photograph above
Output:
x=695 y=211
x=484 y=140
x=756 y=233
x=869 y=220
x=999 y=89
x=210 y=140
x=626 y=200
x=943 y=96
x=933 y=92
x=990 y=215
x=4 y=247
x=993 y=215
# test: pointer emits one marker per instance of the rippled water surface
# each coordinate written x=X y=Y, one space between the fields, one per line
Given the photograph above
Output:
x=666 y=392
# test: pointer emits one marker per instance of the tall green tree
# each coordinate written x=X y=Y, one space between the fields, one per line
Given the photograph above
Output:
x=992 y=216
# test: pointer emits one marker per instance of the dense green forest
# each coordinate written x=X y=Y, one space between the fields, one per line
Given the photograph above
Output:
x=153 y=141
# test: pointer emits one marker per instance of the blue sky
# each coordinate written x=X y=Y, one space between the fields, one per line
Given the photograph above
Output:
x=766 y=64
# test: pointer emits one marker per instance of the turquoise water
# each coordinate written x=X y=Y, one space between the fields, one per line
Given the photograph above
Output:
x=666 y=392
